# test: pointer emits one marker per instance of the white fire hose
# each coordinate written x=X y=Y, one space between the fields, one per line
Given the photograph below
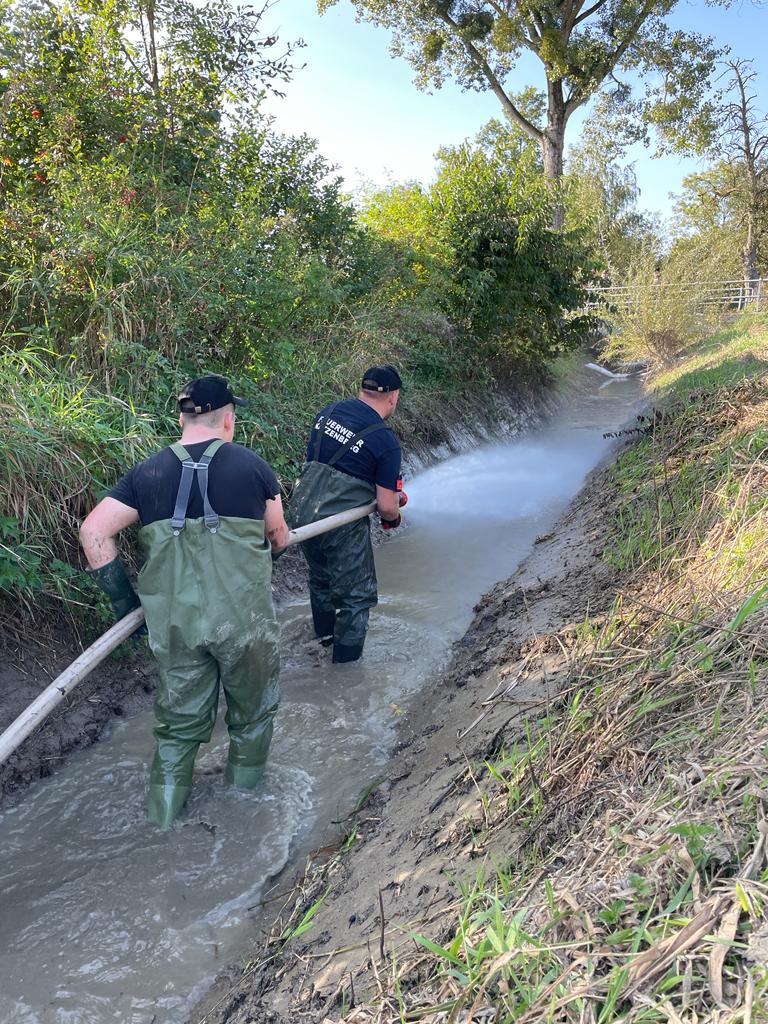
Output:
x=82 y=666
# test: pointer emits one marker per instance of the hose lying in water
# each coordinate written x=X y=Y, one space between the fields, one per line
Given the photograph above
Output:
x=607 y=373
x=92 y=656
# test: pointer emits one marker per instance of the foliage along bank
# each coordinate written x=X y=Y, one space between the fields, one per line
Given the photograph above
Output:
x=154 y=227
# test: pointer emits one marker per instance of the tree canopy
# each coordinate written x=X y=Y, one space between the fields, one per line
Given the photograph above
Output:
x=581 y=46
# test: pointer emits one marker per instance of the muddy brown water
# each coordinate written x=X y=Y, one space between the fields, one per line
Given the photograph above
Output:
x=103 y=918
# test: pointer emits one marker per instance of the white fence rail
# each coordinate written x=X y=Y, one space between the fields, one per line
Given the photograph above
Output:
x=743 y=296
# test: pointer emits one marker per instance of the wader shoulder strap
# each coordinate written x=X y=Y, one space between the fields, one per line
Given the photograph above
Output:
x=319 y=438
x=353 y=441
x=189 y=469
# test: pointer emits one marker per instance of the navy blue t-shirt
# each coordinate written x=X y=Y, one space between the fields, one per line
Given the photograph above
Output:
x=376 y=458
x=239 y=484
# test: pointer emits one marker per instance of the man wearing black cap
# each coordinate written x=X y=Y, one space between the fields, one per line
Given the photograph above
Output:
x=353 y=458
x=211 y=515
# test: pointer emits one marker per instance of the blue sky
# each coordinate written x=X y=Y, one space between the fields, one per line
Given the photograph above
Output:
x=371 y=121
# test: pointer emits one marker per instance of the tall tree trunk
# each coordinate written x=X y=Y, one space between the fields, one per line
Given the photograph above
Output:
x=154 y=64
x=749 y=253
x=750 y=148
x=153 y=59
x=552 y=145
x=552 y=152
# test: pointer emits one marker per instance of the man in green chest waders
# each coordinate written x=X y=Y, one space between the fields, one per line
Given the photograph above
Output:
x=211 y=515
x=353 y=458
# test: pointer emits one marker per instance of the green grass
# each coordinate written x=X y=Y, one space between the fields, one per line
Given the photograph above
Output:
x=71 y=432
x=738 y=351
x=690 y=469
x=63 y=443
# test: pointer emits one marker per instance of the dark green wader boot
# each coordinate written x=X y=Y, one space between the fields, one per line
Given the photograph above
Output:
x=206 y=592
x=342 y=573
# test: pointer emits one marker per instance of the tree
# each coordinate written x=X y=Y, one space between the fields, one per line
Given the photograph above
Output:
x=221 y=49
x=506 y=144
x=80 y=78
x=707 y=217
x=601 y=202
x=513 y=278
x=580 y=45
x=478 y=241
x=145 y=202
x=727 y=202
x=743 y=139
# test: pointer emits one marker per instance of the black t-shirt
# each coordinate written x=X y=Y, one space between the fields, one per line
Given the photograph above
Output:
x=375 y=458
x=239 y=484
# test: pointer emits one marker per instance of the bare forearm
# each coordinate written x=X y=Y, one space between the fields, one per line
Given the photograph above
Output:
x=387 y=503
x=98 y=550
x=99 y=531
x=274 y=523
x=278 y=536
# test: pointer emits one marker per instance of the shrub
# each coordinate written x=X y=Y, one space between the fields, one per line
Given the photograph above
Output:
x=663 y=310
x=147 y=238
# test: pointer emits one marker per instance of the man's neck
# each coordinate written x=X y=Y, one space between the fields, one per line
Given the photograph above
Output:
x=194 y=435
x=372 y=404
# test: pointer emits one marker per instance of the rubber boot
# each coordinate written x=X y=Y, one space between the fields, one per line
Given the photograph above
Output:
x=170 y=777
x=343 y=653
x=165 y=803
x=243 y=778
x=324 y=623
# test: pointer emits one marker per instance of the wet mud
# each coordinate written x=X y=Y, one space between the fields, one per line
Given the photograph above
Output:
x=121 y=686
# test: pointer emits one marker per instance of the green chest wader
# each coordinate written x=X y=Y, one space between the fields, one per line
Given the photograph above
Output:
x=342 y=574
x=206 y=594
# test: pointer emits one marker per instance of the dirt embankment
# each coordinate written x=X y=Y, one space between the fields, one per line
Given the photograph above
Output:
x=121 y=686
x=414 y=837
x=31 y=658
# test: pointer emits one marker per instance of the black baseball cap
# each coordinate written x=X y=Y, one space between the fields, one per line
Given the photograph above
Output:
x=381 y=379
x=206 y=394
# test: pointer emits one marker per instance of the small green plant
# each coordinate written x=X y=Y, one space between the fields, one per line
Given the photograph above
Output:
x=307 y=920
x=695 y=835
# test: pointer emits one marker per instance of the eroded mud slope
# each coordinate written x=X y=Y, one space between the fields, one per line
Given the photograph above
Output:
x=120 y=686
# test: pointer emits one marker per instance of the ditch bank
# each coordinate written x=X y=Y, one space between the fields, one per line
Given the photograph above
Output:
x=139 y=922
x=124 y=684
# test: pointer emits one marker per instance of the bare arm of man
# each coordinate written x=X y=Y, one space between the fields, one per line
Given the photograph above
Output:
x=98 y=532
x=388 y=503
x=274 y=523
